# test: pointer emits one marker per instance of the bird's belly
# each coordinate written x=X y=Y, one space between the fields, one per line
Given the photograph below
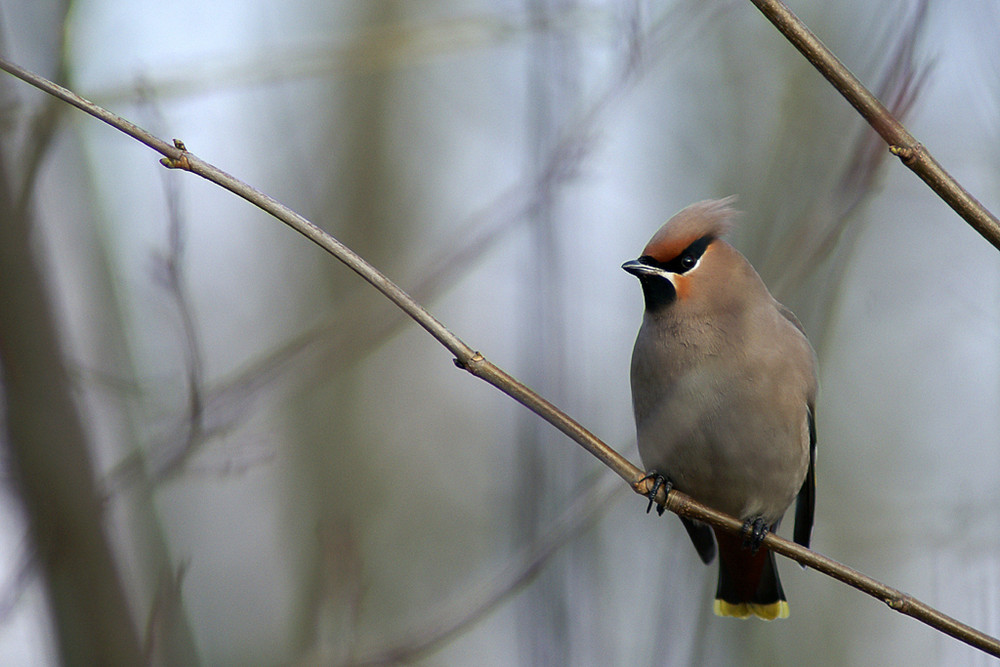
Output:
x=754 y=475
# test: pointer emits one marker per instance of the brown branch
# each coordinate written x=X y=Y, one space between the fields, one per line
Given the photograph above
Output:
x=177 y=157
x=901 y=602
x=225 y=402
x=902 y=144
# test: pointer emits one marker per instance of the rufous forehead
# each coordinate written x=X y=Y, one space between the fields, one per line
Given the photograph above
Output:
x=711 y=218
x=666 y=249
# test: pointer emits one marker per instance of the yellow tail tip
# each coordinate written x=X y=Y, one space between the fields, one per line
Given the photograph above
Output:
x=768 y=612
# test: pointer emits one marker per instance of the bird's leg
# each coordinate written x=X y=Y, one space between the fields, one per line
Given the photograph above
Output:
x=658 y=481
x=754 y=531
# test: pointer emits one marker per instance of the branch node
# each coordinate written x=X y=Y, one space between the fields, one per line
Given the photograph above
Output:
x=905 y=153
x=900 y=602
x=476 y=358
x=179 y=162
x=179 y=158
x=643 y=485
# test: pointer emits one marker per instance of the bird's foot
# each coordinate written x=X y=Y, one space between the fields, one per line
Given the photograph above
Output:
x=754 y=531
x=658 y=482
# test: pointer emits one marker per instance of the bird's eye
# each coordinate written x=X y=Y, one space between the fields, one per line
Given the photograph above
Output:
x=688 y=261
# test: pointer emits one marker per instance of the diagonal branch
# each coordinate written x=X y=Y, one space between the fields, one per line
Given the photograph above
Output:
x=902 y=144
x=895 y=599
x=177 y=157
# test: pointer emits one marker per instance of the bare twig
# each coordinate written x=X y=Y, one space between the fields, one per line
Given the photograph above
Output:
x=226 y=401
x=902 y=144
x=899 y=86
x=170 y=271
x=177 y=157
x=901 y=602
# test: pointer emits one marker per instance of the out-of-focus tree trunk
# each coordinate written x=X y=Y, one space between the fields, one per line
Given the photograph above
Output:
x=47 y=450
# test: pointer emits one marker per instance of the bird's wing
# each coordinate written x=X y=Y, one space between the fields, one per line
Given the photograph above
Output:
x=805 y=506
x=701 y=534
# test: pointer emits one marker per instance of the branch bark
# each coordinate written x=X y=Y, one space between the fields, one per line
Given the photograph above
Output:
x=895 y=599
x=176 y=156
x=901 y=143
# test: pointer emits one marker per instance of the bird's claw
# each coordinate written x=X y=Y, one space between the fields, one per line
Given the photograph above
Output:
x=754 y=532
x=658 y=482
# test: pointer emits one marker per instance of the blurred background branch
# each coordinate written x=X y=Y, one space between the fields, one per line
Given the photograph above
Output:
x=503 y=162
x=902 y=144
x=477 y=365
x=46 y=444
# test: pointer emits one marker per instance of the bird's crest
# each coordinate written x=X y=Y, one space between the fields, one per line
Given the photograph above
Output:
x=711 y=218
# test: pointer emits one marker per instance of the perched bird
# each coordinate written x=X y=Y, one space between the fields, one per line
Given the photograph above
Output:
x=723 y=389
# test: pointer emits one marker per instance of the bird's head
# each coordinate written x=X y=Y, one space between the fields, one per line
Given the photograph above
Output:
x=686 y=257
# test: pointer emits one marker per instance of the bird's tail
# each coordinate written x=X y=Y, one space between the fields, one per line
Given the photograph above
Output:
x=748 y=582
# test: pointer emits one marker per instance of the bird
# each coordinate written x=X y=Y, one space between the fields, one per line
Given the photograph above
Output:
x=724 y=385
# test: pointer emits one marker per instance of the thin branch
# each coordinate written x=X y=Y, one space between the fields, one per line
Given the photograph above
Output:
x=895 y=599
x=170 y=265
x=177 y=157
x=902 y=144
x=227 y=401
x=899 y=85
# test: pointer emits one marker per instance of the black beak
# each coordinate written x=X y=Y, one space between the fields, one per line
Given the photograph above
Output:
x=639 y=269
